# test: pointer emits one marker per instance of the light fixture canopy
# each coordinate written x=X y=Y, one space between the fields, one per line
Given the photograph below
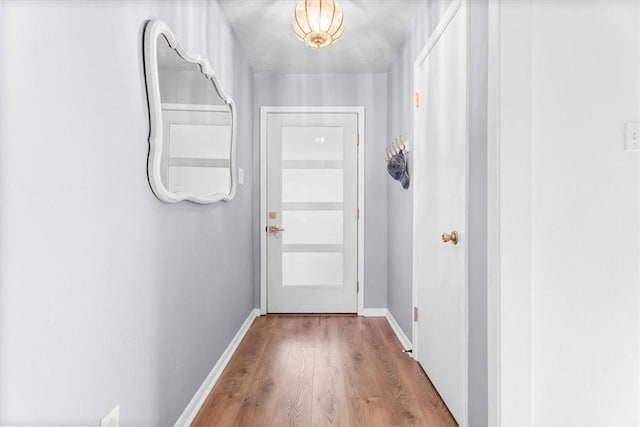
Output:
x=318 y=23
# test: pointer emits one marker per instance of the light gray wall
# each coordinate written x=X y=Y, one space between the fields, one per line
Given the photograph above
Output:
x=400 y=122
x=370 y=91
x=477 y=229
x=400 y=202
x=108 y=295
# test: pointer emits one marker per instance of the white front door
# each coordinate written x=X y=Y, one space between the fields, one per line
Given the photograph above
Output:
x=440 y=206
x=311 y=212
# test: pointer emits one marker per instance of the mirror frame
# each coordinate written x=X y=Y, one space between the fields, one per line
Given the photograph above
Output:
x=153 y=30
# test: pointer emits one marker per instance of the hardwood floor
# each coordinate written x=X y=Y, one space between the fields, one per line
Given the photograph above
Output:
x=322 y=371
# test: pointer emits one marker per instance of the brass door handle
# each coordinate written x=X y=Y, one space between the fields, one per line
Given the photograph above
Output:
x=275 y=229
x=450 y=237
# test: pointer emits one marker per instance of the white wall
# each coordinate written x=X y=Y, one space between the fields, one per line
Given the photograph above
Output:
x=569 y=213
x=108 y=295
x=318 y=90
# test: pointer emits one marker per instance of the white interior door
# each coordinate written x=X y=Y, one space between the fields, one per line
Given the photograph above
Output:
x=440 y=206
x=312 y=202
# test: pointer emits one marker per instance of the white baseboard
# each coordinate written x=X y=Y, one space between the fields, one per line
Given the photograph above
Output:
x=201 y=395
x=374 y=312
x=406 y=342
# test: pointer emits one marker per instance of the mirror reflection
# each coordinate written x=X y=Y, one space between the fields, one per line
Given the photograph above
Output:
x=193 y=156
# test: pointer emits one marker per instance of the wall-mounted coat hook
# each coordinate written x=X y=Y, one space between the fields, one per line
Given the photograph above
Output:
x=396 y=158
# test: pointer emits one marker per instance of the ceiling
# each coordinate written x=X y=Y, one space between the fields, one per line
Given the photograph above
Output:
x=374 y=30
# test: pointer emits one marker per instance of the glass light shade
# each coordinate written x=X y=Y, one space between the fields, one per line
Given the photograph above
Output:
x=318 y=23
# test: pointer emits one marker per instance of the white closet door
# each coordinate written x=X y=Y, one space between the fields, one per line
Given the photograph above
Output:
x=440 y=206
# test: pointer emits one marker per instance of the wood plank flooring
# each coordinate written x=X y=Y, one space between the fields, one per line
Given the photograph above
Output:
x=322 y=371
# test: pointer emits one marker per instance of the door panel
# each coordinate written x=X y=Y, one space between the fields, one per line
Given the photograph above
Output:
x=309 y=227
x=312 y=187
x=440 y=206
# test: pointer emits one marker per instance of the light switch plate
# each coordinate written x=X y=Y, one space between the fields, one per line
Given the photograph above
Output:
x=632 y=136
x=112 y=419
x=240 y=176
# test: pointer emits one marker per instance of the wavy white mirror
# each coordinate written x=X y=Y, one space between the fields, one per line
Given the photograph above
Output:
x=193 y=123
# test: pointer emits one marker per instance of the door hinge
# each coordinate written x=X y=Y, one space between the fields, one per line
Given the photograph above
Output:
x=417 y=99
x=415 y=314
x=358 y=138
x=357 y=287
x=358 y=213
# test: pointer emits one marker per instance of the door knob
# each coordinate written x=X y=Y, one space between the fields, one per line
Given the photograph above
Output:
x=450 y=237
x=275 y=229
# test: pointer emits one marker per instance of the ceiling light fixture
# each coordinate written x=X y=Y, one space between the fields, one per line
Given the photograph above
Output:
x=318 y=23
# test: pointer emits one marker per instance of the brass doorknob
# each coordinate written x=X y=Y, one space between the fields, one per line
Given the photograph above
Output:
x=275 y=229
x=450 y=237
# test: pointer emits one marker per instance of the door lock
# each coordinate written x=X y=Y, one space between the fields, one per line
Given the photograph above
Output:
x=450 y=237
x=275 y=229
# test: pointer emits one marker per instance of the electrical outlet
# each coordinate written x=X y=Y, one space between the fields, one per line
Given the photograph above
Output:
x=632 y=136
x=112 y=419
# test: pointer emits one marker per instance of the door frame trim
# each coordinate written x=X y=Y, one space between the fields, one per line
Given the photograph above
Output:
x=437 y=33
x=264 y=112
x=494 y=280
